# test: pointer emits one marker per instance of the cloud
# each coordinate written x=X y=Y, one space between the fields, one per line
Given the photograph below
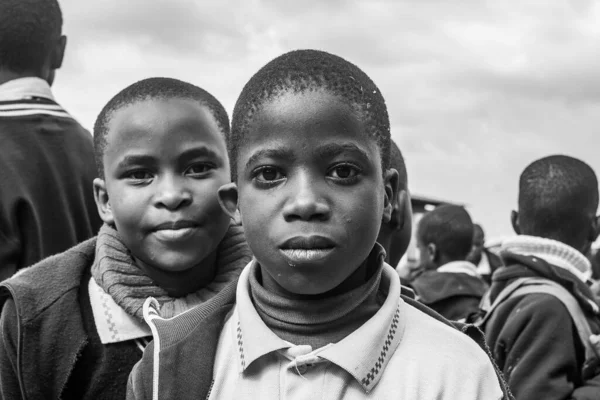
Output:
x=476 y=90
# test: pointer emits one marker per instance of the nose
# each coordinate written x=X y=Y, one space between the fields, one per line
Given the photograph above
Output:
x=305 y=202
x=172 y=194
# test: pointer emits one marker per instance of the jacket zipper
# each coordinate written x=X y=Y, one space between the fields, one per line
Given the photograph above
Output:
x=19 y=341
x=210 y=389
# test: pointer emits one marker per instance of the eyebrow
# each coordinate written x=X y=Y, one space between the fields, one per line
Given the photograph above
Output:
x=136 y=160
x=143 y=159
x=200 y=151
x=278 y=153
x=331 y=150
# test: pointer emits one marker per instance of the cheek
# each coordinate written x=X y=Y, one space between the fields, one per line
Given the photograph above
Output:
x=363 y=212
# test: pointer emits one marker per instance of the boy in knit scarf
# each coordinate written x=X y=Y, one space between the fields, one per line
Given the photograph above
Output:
x=532 y=336
x=448 y=284
x=317 y=313
x=72 y=326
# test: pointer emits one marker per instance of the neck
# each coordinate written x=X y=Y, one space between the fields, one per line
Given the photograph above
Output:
x=7 y=75
x=181 y=283
x=357 y=278
x=316 y=321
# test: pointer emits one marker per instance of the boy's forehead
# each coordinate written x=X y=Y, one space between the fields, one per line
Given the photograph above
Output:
x=145 y=119
x=302 y=113
x=290 y=123
x=163 y=124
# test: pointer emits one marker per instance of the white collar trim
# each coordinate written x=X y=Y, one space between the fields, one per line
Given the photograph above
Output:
x=25 y=88
x=113 y=324
x=459 y=267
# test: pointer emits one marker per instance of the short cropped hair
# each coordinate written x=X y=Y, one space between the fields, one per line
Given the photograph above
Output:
x=450 y=228
x=558 y=197
x=153 y=88
x=28 y=31
x=397 y=162
x=300 y=71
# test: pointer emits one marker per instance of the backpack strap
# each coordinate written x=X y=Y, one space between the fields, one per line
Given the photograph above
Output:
x=488 y=306
x=523 y=286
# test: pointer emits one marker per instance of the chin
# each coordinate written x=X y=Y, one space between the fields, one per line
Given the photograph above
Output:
x=176 y=264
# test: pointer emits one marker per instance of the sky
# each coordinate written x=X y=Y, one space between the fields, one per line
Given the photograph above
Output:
x=476 y=90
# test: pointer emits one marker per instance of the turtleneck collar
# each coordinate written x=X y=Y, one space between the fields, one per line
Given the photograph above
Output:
x=553 y=252
x=115 y=271
x=319 y=322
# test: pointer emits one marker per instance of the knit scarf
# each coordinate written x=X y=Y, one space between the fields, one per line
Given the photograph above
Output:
x=116 y=272
x=552 y=251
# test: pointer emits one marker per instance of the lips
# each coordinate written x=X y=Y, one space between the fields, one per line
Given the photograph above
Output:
x=299 y=250
x=175 y=225
x=308 y=243
x=174 y=231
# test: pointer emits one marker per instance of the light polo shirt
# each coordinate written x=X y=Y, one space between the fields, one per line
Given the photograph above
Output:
x=400 y=353
x=114 y=324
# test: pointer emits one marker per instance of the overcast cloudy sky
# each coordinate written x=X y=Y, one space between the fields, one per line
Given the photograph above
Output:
x=476 y=90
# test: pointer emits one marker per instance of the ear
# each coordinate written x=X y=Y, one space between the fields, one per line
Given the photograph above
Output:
x=514 y=220
x=390 y=182
x=103 y=202
x=58 y=53
x=228 y=199
x=401 y=211
x=432 y=252
x=595 y=229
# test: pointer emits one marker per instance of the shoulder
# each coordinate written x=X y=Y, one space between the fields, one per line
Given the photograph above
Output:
x=440 y=359
x=542 y=307
x=422 y=330
x=35 y=288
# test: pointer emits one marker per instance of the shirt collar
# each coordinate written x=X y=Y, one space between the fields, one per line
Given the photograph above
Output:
x=459 y=267
x=25 y=88
x=253 y=337
x=113 y=324
x=378 y=337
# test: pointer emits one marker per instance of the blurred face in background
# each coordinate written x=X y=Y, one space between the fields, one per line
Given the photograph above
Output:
x=478 y=245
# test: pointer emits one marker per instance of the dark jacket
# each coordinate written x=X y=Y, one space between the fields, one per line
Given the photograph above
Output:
x=46 y=173
x=454 y=295
x=33 y=363
x=533 y=338
x=186 y=368
x=494 y=261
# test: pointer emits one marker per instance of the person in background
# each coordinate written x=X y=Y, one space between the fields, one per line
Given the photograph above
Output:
x=449 y=283
x=72 y=326
x=46 y=157
x=395 y=234
x=485 y=261
x=532 y=335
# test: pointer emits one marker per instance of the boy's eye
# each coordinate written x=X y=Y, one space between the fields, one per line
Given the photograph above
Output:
x=344 y=171
x=198 y=169
x=269 y=174
x=139 y=175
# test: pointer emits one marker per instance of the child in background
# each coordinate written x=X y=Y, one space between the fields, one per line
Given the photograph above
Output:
x=318 y=313
x=72 y=326
x=449 y=284
x=485 y=261
x=532 y=336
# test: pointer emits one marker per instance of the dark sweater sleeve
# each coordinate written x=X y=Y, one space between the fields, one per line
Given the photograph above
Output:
x=535 y=348
x=9 y=252
x=9 y=381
